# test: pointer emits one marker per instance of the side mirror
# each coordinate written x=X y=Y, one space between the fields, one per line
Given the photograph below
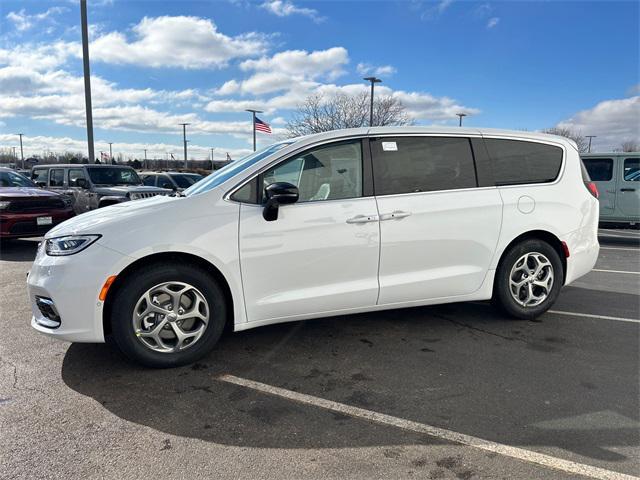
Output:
x=80 y=182
x=278 y=193
x=41 y=184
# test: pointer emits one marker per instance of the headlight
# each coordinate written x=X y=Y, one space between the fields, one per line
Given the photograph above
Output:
x=4 y=205
x=68 y=245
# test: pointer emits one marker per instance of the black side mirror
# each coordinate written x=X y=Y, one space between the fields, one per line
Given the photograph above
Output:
x=80 y=182
x=278 y=193
x=41 y=184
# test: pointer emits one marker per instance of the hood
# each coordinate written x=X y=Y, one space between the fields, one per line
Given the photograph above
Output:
x=25 y=192
x=106 y=218
x=122 y=190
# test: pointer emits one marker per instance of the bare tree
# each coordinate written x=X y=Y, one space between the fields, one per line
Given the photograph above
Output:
x=581 y=140
x=630 y=146
x=319 y=113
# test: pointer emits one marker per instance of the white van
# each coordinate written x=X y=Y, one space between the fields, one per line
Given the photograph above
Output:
x=328 y=224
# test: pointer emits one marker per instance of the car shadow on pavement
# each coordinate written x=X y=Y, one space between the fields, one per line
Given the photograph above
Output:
x=18 y=249
x=461 y=366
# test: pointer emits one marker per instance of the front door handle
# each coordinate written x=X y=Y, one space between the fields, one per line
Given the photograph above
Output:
x=363 y=219
x=397 y=214
x=627 y=189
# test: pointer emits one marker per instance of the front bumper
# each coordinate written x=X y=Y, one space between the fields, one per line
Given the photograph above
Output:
x=22 y=225
x=73 y=284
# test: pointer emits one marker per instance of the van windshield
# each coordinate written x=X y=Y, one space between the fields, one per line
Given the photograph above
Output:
x=232 y=169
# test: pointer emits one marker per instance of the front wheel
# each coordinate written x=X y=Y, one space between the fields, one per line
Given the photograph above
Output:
x=528 y=279
x=168 y=315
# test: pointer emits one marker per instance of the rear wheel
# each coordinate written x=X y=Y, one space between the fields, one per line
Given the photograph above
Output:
x=528 y=279
x=168 y=315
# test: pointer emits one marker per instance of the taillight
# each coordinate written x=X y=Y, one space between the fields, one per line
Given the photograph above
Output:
x=593 y=189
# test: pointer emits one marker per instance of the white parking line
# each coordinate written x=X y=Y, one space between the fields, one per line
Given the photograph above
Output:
x=589 y=315
x=615 y=271
x=621 y=248
x=381 y=418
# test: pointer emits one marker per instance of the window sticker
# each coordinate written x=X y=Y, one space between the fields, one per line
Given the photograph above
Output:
x=389 y=146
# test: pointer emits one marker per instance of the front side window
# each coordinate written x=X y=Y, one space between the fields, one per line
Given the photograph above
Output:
x=150 y=180
x=74 y=175
x=330 y=172
x=185 y=180
x=632 y=169
x=165 y=182
x=600 y=169
x=517 y=162
x=56 y=177
x=39 y=176
x=422 y=164
x=113 y=176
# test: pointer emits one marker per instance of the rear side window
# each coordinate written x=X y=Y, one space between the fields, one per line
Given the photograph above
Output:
x=632 y=169
x=422 y=164
x=516 y=162
x=56 y=177
x=600 y=169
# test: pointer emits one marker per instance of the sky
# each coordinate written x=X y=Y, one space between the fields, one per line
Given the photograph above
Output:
x=514 y=65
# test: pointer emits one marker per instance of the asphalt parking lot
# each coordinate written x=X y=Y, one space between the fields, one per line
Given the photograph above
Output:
x=453 y=391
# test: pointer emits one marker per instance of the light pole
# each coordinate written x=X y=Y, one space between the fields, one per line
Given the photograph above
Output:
x=211 y=155
x=184 y=139
x=373 y=81
x=253 y=124
x=110 y=153
x=460 y=115
x=590 y=137
x=21 y=152
x=87 y=78
x=144 y=165
x=15 y=157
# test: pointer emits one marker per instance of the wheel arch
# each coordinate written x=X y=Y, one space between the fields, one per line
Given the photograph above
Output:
x=543 y=235
x=164 y=257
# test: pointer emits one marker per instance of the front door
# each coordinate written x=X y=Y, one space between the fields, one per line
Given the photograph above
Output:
x=603 y=174
x=321 y=253
x=629 y=188
x=438 y=231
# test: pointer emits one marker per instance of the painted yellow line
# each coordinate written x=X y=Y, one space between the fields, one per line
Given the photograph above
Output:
x=449 y=435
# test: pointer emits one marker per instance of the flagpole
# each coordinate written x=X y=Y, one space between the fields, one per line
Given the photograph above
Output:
x=253 y=112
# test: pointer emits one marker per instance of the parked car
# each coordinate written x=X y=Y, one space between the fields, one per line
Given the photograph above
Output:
x=328 y=224
x=176 y=181
x=94 y=186
x=617 y=176
x=26 y=210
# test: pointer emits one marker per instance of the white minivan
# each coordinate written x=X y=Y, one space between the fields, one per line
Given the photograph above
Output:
x=328 y=224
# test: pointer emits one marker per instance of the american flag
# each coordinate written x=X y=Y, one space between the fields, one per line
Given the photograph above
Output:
x=262 y=126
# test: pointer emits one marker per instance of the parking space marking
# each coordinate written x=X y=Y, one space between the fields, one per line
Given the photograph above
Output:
x=615 y=271
x=621 y=248
x=449 y=435
x=589 y=315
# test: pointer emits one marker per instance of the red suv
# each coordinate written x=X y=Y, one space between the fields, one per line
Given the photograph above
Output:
x=26 y=210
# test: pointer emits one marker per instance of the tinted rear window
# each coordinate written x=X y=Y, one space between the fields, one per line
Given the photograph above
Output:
x=517 y=162
x=422 y=164
x=632 y=169
x=600 y=169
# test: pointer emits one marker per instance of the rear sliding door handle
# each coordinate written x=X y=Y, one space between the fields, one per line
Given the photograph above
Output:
x=627 y=189
x=397 y=214
x=363 y=219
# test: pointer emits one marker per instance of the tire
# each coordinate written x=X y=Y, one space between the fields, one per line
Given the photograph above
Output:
x=516 y=267
x=149 y=290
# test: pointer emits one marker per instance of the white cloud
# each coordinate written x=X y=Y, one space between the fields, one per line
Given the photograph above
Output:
x=23 y=21
x=227 y=88
x=492 y=22
x=612 y=121
x=36 y=145
x=184 y=42
x=40 y=57
x=381 y=71
x=301 y=62
x=284 y=8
